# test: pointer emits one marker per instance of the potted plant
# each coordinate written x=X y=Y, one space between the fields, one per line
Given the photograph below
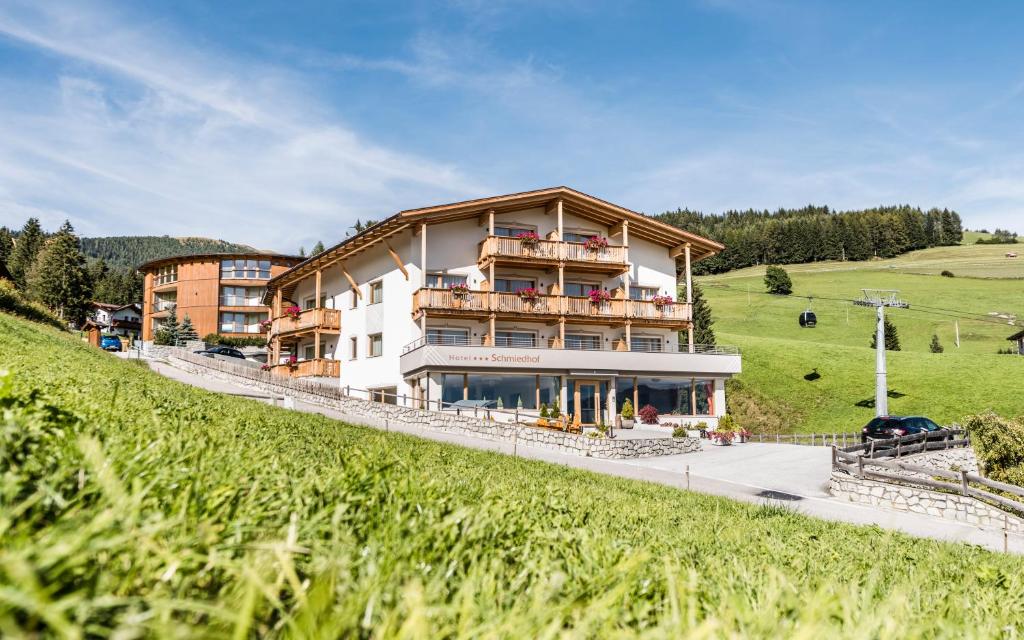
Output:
x=460 y=290
x=627 y=414
x=265 y=367
x=293 y=312
x=648 y=414
x=720 y=438
x=740 y=436
x=663 y=301
x=542 y=419
x=292 y=362
x=266 y=325
x=599 y=296
x=595 y=243
x=529 y=294
x=529 y=239
x=698 y=430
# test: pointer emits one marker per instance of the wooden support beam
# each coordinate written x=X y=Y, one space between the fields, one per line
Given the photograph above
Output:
x=561 y=230
x=618 y=229
x=423 y=255
x=351 y=281
x=689 y=276
x=398 y=261
x=316 y=293
x=677 y=250
x=490 y=222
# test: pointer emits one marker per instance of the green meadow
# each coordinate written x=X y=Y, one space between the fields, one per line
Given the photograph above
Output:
x=822 y=379
x=134 y=506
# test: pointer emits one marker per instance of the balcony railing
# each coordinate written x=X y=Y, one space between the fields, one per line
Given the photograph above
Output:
x=164 y=305
x=329 y=319
x=318 y=367
x=547 y=306
x=504 y=247
x=460 y=341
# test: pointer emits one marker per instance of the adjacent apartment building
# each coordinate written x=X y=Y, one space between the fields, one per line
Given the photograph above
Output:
x=220 y=293
x=524 y=299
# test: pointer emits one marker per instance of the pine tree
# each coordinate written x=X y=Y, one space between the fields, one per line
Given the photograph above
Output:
x=59 y=278
x=318 y=248
x=26 y=249
x=187 y=332
x=302 y=252
x=892 y=337
x=167 y=333
x=936 y=346
x=702 y=320
x=777 y=281
x=6 y=247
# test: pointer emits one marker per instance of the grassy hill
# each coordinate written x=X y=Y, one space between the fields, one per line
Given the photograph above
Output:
x=136 y=506
x=131 y=251
x=772 y=393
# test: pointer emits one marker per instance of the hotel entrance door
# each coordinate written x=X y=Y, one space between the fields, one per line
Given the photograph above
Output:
x=587 y=401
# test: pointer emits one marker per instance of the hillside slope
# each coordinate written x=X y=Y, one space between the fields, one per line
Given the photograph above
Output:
x=131 y=251
x=772 y=394
x=149 y=508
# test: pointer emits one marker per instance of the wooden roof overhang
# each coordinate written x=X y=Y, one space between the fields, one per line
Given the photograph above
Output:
x=573 y=202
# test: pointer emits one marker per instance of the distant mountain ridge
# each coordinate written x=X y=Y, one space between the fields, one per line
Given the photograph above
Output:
x=131 y=251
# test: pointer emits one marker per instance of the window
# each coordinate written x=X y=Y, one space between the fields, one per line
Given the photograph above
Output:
x=245 y=269
x=511 y=285
x=511 y=391
x=452 y=387
x=387 y=395
x=375 y=345
x=376 y=292
x=642 y=293
x=582 y=341
x=166 y=275
x=511 y=230
x=705 y=394
x=309 y=303
x=579 y=235
x=238 y=322
x=354 y=299
x=242 y=296
x=309 y=352
x=448 y=336
x=679 y=396
x=353 y=350
x=645 y=343
x=549 y=390
x=580 y=289
x=515 y=339
x=444 y=280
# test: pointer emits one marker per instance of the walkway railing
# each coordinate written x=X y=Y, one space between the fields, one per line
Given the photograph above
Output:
x=865 y=461
x=518 y=343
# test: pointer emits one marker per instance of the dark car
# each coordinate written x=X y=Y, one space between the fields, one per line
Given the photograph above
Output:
x=222 y=351
x=889 y=427
x=110 y=343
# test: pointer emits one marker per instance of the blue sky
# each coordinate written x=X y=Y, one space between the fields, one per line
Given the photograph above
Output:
x=278 y=124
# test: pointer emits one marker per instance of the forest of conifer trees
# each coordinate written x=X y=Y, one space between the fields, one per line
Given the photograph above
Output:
x=812 y=234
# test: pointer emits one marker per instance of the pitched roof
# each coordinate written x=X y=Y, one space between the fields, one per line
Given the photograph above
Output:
x=574 y=202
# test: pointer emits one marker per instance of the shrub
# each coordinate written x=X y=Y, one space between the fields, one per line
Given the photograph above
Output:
x=892 y=337
x=230 y=341
x=14 y=302
x=648 y=414
x=935 y=346
x=627 y=410
x=727 y=423
x=777 y=281
x=679 y=432
x=556 y=410
x=947 y=274
x=544 y=410
x=999 y=445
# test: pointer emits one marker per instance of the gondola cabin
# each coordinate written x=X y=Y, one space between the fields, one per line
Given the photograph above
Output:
x=808 y=319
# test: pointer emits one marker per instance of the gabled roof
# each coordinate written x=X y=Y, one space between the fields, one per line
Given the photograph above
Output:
x=574 y=202
x=1017 y=336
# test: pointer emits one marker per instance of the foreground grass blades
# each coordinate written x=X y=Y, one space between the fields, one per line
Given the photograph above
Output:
x=133 y=505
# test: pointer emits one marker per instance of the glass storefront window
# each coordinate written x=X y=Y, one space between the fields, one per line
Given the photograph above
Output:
x=451 y=387
x=549 y=387
x=705 y=396
x=667 y=395
x=511 y=389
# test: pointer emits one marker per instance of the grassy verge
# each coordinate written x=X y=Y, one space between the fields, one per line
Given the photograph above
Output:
x=134 y=505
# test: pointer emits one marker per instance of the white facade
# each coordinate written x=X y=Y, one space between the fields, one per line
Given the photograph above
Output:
x=387 y=344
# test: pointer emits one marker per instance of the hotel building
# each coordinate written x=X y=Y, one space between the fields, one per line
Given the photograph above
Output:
x=220 y=293
x=523 y=299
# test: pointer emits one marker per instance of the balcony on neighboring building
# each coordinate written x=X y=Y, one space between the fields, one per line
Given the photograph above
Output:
x=534 y=253
x=308 y=321
x=541 y=308
x=314 y=367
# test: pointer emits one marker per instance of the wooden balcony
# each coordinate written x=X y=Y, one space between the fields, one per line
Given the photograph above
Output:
x=317 y=367
x=550 y=253
x=324 y=320
x=547 y=308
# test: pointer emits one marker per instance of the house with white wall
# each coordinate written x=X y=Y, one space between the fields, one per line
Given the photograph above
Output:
x=116 y=319
x=516 y=301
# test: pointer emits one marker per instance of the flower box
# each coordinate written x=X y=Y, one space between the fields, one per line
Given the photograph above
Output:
x=460 y=290
x=528 y=294
x=293 y=312
x=597 y=296
x=595 y=243
x=663 y=301
x=528 y=238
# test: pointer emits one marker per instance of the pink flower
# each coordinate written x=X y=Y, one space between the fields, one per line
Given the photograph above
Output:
x=598 y=295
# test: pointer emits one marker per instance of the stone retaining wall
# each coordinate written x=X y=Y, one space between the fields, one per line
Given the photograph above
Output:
x=950 y=506
x=378 y=414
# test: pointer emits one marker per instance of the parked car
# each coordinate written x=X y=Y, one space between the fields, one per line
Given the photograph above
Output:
x=889 y=427
x=110 y=343
x=222 y=351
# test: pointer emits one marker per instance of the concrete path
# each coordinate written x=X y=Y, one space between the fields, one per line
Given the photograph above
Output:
x=793 y=475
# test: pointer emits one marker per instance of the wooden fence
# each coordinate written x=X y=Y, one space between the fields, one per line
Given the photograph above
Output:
x=808 y=439
x=866 y=461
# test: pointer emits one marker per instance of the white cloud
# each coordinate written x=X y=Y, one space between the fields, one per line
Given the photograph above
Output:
x=139 y=131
